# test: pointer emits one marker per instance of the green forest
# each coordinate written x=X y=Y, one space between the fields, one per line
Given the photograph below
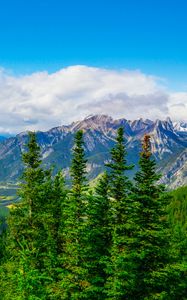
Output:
x=116 y=240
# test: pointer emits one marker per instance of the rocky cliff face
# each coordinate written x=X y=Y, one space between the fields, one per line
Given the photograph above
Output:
x=168 y=141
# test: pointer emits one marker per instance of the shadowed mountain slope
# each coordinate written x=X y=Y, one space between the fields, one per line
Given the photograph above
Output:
x=169 y=146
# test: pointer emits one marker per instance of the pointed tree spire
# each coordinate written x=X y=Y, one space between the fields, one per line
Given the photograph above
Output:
x=78 y=165
x=74 y=281
x=32 y=158
x=120 y=264
x=152 y=254
x=28 y=239
x=146 y=146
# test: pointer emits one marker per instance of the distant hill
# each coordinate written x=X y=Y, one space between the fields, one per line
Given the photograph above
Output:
x=168 y=139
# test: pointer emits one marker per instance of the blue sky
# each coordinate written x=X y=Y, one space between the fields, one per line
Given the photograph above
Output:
x=63 y=60
x=150 y=35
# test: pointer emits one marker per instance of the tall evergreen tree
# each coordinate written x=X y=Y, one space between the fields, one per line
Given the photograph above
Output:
x=55 y=229
x=154 y=275
x=59 y=193
x=120 y=267
x=78 y=167
x=98 y=238
x=28 y=235
x=74 y=281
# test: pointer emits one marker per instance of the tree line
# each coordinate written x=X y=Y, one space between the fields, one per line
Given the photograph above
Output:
x=114 y=241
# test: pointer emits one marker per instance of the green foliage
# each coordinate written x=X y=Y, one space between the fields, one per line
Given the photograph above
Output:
x=120 y=265
x=177 y=216
x=78 y=166
x=73 y=281
x=155 y=273
x=32 y=227
x=119 y=182
x=120 y=240
x=177 y=211
x=98 y=238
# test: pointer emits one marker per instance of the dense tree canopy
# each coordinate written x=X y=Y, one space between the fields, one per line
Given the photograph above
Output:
x=118 y=240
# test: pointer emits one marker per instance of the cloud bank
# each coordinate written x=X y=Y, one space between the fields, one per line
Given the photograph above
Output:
x=40 y=101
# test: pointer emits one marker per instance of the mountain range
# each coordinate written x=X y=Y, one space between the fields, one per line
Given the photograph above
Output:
x=168 y=142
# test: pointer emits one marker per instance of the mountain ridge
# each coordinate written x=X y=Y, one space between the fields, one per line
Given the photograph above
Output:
x=168 y=142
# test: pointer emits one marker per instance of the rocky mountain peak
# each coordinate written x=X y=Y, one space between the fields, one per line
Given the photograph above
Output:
x=168 y=141
x=96 y=122
x=180 y=126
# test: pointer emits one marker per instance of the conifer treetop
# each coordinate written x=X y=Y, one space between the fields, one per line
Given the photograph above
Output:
x=32 y=158
x=146 y=146
x=78 y=167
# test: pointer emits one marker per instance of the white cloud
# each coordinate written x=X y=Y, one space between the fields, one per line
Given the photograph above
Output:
x=41 y=100
x=178 y=106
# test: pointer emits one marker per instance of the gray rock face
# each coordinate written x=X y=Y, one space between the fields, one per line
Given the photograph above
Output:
x=168 y=142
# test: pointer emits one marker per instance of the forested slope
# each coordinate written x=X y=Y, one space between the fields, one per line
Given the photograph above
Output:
x=119 y=240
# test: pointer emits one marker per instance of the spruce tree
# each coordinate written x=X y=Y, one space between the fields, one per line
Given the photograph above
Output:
x=153 y=257
x=55 y=229
x=98 y=238
x=120 y=265
x=28 y=236
x=78 y=166
x=59 y=194
x=74 y=281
